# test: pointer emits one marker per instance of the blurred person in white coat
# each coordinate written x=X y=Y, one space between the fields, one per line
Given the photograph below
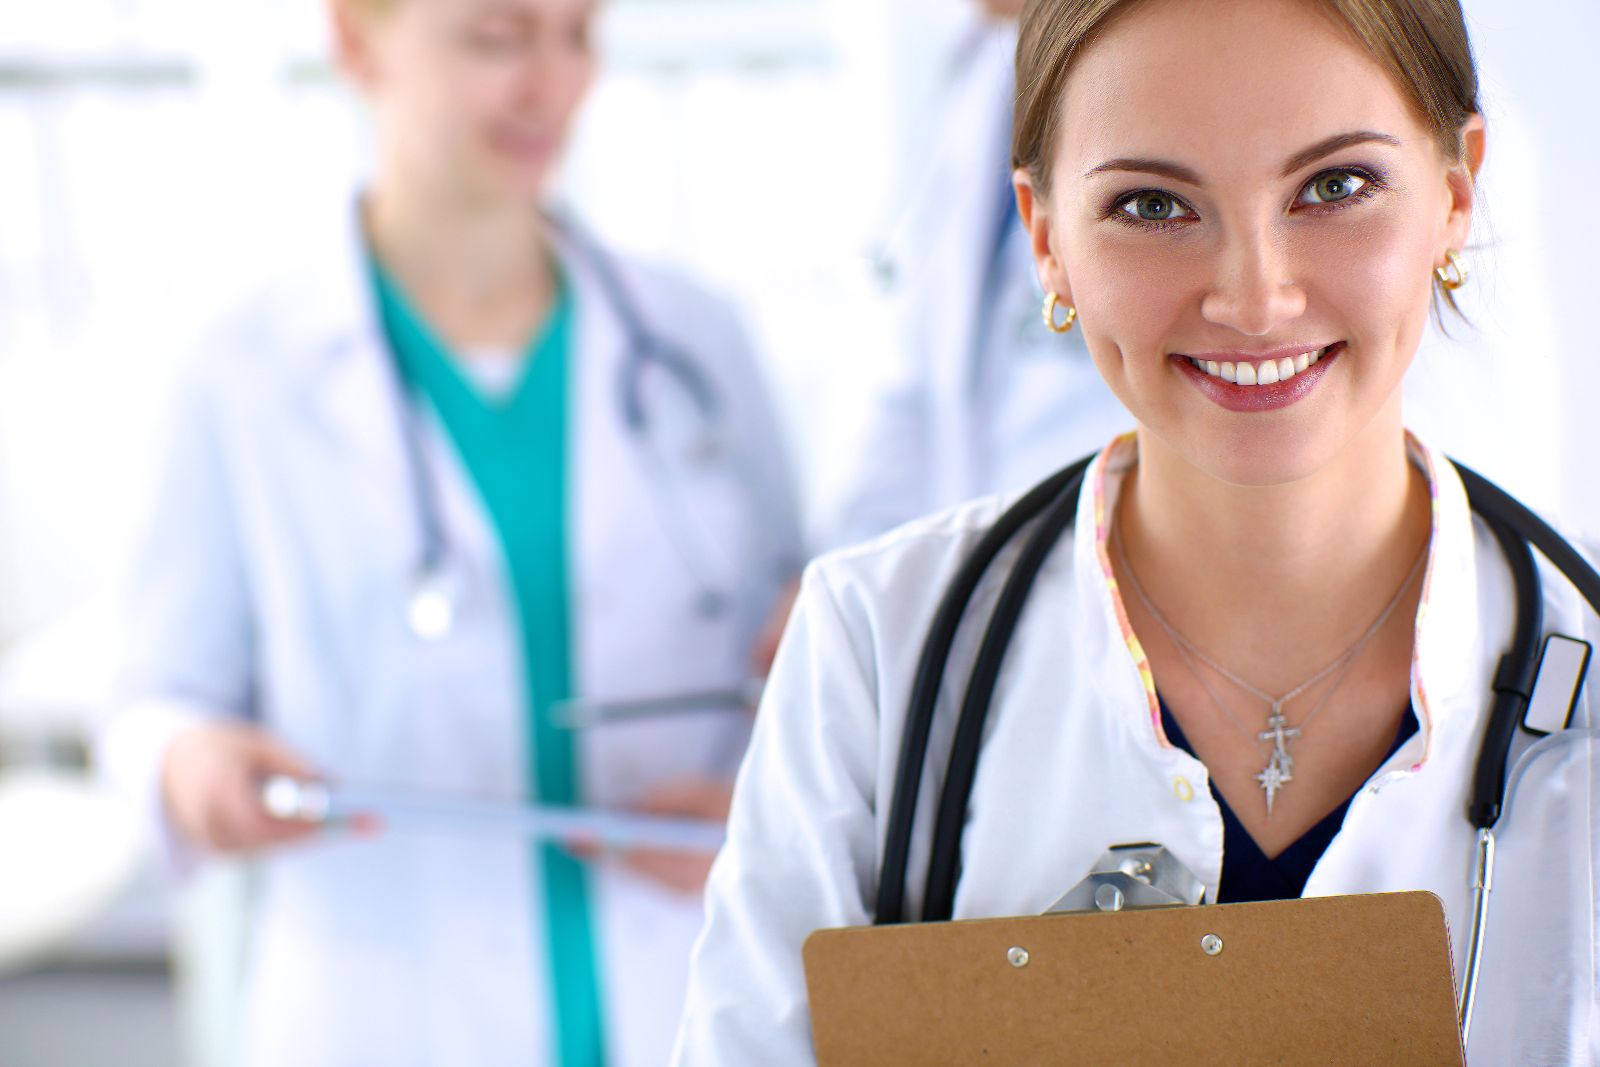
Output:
x=978 y=399
x=460 y=464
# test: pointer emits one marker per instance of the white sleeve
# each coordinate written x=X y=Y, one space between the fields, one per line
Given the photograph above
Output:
x=188 y=644
x=802 y=846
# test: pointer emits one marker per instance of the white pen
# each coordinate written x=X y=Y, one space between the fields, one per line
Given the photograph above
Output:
x=581 y=712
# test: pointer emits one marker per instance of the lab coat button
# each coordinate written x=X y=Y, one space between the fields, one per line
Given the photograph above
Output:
x=1181 y=787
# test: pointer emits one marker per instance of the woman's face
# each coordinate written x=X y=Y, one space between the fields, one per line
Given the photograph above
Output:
x=473 y=97
x=1237 y=181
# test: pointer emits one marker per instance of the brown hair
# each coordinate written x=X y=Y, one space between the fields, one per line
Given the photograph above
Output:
x=1421 y=43
x=366 y=8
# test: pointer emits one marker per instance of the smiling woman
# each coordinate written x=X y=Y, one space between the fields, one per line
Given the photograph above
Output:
x=1268 y=222
x=1248 y=207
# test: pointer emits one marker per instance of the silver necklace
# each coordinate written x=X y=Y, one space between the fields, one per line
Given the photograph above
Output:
x=1279 y=770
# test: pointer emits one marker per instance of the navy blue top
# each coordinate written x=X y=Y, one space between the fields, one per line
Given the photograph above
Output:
x=1247 y=873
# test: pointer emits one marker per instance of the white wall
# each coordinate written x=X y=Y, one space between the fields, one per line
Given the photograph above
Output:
x=1539 y=58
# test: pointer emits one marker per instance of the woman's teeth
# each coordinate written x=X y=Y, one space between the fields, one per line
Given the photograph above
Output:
x=1266 y=372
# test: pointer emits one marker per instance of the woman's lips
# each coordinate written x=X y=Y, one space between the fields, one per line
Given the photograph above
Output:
x=1307 y=368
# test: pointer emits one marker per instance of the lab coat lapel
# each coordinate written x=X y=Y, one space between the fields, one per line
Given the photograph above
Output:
x=1450 y=645
x=1407 y=827
x=348 y=378
x=598 y=458
x=1124 y=680
x=353 y=392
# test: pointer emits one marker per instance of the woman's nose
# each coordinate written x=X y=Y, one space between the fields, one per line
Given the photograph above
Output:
x=1254 y=291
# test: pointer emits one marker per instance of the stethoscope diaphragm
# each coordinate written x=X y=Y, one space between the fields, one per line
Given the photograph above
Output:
x=431 y=605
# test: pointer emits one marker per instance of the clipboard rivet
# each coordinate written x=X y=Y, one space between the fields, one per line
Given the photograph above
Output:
x=1211 y=945
x=1018 y=956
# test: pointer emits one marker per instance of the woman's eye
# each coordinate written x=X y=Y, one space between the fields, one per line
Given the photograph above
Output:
x=1332 y=187
x=494 y=38
x=1155 y=207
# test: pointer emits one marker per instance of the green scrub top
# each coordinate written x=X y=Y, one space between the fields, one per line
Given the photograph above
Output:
x=515 y=448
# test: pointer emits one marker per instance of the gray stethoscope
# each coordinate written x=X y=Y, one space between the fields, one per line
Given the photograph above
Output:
x=1050 y=509
x=434 y=596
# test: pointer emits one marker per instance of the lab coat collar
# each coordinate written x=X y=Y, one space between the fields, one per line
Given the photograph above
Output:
x=349 y=384
x=1447 y=644
x=333 y=316
x=599 y=337
x=334 y=338
x=1126 y=681
x=332 y=326
x=333 y=312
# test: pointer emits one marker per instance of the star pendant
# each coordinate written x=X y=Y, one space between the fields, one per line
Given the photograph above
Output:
x=1273 y=778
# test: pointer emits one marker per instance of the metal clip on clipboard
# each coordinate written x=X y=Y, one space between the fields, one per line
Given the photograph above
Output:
x=1129 y=877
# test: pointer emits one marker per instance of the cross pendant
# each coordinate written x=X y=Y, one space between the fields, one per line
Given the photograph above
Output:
x=1280 y=733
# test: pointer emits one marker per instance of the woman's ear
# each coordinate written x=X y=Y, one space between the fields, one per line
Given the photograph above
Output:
x=1461 y=185
x=1036 y=221
x=352 y=49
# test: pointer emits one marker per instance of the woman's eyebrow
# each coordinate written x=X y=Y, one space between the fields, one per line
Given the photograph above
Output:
x=1308 y=155
x=1175 y=171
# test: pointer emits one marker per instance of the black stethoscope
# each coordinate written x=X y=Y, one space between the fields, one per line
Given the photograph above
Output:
x=433 y=599
x=1051 y=507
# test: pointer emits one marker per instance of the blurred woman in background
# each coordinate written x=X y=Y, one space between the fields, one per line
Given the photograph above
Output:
x=460 y=466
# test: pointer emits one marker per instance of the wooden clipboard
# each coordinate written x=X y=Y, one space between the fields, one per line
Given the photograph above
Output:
x=1326 y=981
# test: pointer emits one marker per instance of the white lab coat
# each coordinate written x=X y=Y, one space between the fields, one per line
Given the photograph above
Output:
x=273 y=585
x=1074 y=761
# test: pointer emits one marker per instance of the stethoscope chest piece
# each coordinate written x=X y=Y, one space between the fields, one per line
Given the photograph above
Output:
x=431 y=605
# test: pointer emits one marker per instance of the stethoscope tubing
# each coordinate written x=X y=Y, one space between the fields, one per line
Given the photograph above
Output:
x=945 y=861
x=644 y=347
x=1513 y=679
x=1516 y=529
x=930 y=678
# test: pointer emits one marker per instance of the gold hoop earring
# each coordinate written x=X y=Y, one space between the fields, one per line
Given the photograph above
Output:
x=1453 y=275
x=1050 y=302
